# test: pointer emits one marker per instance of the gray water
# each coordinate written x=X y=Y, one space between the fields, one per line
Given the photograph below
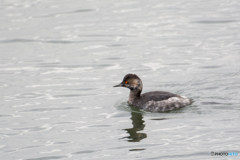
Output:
x=60 y=59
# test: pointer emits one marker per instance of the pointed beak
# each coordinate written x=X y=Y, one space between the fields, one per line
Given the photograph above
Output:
x=119 y=85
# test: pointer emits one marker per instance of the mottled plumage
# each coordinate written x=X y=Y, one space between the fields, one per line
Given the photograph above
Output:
x=157 y=101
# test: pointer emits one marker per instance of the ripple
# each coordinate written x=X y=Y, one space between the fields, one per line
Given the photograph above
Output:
x=47 y=41
x=63 y=143
x=159 y=119
x=45 y=127
x=50 y=151
x=215 y=21
x=35 y=146
x=49 y=158
x=101 y=125
x=26 y=104
x=49 y=109
x=211 y=67
x=72 y=102
x=116 y=66
x=107 y=115
x=33 y=95
x=70 y=12
x=2 y=146
x=153 y=66
x=172 y=128
x=69 y=130
x=5 y=116
x=10 y=134
x=3 y=85
x=73 y=95
x=140 y=149
x=28 y=68
x=84 y=152
x=123 y=105
x=68 y=70
x=185 y=156
x=10 y=116
x=50 y=85
x=214 y=103
x=62 y=123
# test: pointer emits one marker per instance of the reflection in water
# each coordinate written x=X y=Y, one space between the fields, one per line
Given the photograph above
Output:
x=137 y=126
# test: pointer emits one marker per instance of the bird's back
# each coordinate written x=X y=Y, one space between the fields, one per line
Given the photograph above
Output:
x=161 y=101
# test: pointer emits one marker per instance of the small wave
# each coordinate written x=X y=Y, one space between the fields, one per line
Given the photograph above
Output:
x=49 y=157
x=48 y=109
x=215 y=21
x=70 y=12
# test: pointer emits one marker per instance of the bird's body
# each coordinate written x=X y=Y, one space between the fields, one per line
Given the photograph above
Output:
x=156 y=101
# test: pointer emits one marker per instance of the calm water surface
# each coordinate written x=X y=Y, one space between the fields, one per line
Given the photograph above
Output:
x=60 y=59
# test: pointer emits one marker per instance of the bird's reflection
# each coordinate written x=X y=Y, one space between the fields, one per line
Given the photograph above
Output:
x=137 y=121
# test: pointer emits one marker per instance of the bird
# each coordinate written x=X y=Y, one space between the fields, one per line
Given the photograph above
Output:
x=155 y=101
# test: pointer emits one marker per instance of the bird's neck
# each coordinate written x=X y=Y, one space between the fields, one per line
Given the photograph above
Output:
x=134 y=94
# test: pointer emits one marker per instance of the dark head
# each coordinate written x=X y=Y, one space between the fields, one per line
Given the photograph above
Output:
x=133 y=82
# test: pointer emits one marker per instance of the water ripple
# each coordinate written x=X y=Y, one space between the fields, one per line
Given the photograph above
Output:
x=49 y=158
x=34 y=95
x=47 y=41
x=44 y=127
x=84 y=152
x=70 y=12
x=49 y=109
x=215 y=21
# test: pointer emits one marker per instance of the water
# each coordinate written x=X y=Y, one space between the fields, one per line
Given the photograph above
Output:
x=60 y=59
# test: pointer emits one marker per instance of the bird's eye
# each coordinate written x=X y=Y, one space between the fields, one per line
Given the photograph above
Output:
x=126 y=82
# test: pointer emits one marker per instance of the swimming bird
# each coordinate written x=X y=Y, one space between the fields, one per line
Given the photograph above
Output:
x=156 y=101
